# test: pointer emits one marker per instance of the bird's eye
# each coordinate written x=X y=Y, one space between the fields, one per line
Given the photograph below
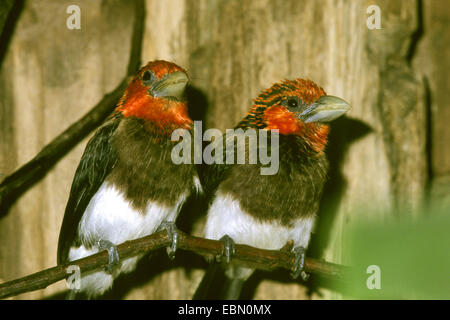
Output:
x=292 y=103
x=147 y=77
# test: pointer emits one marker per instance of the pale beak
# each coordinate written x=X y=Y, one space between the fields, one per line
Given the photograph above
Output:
x=325 y=109
x=172 y=85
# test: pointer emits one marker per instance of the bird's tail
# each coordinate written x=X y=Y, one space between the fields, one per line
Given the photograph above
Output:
x=216 y=286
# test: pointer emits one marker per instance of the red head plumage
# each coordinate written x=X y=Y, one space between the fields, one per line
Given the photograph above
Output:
x=155 y=95
x=278 y=106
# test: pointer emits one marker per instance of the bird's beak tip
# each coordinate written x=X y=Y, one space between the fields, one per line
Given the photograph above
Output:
x=173 y=85
x=325 y=109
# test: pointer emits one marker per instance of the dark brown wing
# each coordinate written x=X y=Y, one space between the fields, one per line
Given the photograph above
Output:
x=96 y=163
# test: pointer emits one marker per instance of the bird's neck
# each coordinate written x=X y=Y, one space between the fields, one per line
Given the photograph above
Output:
x=161 y=116
x=315 y=135
x=312 y=135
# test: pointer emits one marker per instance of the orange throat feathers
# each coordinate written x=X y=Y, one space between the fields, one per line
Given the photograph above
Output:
x=161 y=115
x=315 y=134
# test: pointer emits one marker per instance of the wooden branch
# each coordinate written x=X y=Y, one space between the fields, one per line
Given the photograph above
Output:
x=26 y=176
x=134 y=61
x=244 y=256
x=10 y=11
x=23 y=178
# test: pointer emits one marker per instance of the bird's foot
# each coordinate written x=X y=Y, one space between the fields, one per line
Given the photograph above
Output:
x=113 y=254
x=173 y=235
x=72 y=294
x=299 y=267
x=228 y=248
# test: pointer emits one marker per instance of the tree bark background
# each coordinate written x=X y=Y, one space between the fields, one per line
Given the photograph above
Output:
x=394 y=140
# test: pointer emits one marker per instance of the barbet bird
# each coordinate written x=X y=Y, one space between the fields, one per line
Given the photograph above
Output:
x=265 y=211
x=126 y=185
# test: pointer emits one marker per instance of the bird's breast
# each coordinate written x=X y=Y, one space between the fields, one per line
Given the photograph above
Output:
x=226 y=216
x=145 y=171
x=110 y=216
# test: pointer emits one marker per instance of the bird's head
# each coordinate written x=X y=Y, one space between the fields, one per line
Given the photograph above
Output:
x=156 y=95
x=296 y=107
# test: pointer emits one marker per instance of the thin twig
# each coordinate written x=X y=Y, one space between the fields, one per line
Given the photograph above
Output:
x=26 y=176
x=244 y=256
